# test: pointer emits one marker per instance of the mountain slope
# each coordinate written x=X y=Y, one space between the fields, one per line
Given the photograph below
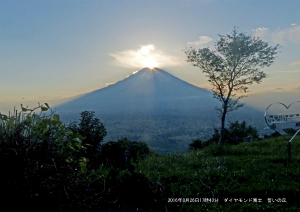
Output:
x=144 y=93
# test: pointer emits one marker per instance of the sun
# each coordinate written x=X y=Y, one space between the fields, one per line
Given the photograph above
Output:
x=144 y=57
x=150 y=63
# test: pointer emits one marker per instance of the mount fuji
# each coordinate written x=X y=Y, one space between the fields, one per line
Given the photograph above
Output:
x=157 y=107
x=148 y=92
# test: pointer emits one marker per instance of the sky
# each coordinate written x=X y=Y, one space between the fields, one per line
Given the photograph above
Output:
x=51 y=50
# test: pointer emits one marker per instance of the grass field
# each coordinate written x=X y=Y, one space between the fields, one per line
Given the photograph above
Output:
x=233 y=176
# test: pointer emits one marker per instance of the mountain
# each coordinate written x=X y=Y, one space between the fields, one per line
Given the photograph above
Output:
x=154 y=106
x=148 y=92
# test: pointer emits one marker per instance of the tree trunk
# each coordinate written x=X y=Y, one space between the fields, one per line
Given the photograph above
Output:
x=222 y=141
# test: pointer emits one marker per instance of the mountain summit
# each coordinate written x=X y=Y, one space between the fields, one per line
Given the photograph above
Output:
x=147 y=92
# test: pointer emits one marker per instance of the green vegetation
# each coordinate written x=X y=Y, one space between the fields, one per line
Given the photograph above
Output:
x=257 y=169
x=235 y=134
x=233 y=66
x=91 y=131
x=40 y=158
x=113 y=153
x=45 y=165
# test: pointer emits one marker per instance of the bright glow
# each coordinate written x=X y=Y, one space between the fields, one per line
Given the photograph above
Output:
x=146 y=56
x=150 y=63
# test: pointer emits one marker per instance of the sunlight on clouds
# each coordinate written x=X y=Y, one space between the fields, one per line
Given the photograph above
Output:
x=146 y=56
x=202 y=40
x=108 y=84
x=287 y=35
x=280 y=36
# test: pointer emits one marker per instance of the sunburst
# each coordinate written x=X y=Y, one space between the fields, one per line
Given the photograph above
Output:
x=150 y=63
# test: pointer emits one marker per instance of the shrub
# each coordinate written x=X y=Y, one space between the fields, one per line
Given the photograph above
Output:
x=198 y=144
x=236 y=133
x=42 y=158
x=241 y=133
x=290 y=131
x=272 y=135
x=112 y=153
x=92 y=132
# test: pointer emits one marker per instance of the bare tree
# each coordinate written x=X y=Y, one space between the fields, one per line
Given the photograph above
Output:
x=233 y=66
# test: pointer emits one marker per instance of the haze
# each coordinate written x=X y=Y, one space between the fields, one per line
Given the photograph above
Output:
x=52 y=50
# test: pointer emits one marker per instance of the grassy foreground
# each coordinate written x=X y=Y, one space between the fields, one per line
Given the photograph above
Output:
x=232 y=178
x=48 y=165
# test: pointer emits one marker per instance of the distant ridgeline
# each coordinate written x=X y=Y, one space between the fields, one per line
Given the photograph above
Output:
x=156 y=107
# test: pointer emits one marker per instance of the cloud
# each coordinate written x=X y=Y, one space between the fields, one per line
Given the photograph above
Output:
x=288 y=35
x=146 y=56
x=295 y=63
x=108 y=84
x=294 y=24
x=202 y=40
x=261 y=32
x=279 y=89
x=280 y=36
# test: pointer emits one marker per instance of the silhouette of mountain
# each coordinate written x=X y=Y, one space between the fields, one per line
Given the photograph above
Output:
x=156 y=107
x=148 y=92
